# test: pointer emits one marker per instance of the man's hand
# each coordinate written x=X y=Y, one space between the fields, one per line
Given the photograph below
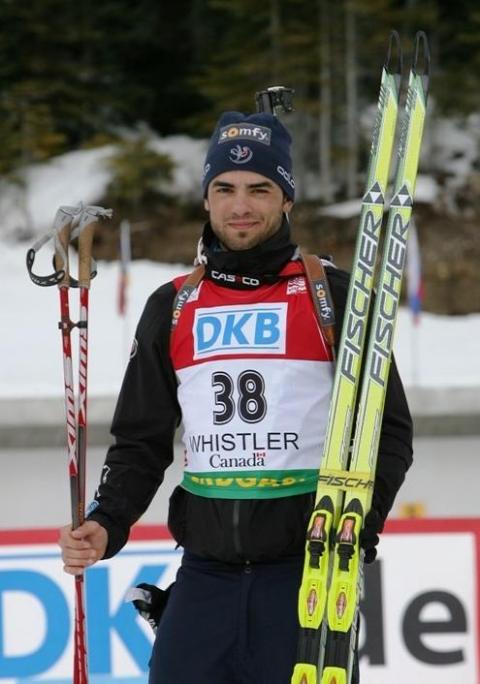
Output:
x=83 y=546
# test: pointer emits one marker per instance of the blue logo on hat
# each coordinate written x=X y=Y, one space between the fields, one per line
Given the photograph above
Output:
x=240 y=155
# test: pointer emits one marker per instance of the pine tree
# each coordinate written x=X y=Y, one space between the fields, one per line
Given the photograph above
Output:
x=139 y=172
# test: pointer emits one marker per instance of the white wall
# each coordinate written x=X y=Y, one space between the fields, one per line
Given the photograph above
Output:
x=34 y=486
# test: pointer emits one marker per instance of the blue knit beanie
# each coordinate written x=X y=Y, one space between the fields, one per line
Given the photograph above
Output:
x=255 y=142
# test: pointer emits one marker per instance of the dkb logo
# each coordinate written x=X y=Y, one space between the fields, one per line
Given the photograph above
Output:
x=252 y=329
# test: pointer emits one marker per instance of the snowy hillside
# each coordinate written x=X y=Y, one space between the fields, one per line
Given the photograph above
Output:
x=440 y=352
x=450 y=148
x=83 y=176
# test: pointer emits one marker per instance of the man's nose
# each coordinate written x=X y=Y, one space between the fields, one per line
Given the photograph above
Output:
x=241 y=204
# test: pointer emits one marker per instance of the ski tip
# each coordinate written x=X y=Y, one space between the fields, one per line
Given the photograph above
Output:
x=394 y=48
x=421 y=55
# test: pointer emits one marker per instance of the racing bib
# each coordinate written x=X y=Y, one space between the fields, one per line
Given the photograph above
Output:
x=255 y=381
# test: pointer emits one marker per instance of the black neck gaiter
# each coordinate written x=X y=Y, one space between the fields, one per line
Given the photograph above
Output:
x=263 y=261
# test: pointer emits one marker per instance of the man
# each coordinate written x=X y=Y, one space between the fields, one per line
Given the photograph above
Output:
x=247 y=370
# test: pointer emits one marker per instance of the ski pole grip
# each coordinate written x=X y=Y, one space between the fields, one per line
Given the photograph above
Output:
x=60 y=259
x=85 y=241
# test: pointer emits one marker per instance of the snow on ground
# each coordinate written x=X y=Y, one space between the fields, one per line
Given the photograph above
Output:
x=442 y=351
x=30 y=348
x=454 y=145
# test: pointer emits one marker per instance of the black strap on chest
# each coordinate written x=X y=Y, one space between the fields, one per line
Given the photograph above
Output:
x=317 y=284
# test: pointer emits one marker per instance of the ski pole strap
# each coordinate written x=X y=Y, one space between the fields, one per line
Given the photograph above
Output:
x=44 y=281
x=190 y=284
x=321 y=296
x=59 y=273
x=63 y=218
x=71 y=222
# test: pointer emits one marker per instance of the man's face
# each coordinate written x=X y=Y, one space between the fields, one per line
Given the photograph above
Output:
x=245 y=208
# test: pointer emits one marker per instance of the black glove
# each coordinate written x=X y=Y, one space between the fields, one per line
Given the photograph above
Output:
x=150 y=602
x=369 y=538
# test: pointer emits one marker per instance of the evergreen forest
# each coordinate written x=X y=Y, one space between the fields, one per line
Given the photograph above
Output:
x=78 y=74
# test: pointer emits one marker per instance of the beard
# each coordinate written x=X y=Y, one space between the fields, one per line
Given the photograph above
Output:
x=243 y=239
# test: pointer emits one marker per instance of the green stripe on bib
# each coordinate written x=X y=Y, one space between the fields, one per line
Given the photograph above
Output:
x=269 y=484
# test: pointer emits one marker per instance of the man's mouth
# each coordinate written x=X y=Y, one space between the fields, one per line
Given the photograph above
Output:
x=242 y=225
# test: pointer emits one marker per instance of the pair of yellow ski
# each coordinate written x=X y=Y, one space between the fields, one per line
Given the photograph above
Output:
x=333 y=569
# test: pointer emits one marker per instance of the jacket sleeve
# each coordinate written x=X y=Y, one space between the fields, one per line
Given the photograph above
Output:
x=395 y=446
x=146 y=416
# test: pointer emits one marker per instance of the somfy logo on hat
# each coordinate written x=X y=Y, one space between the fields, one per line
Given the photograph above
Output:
x=246 y=131
x=240 y=155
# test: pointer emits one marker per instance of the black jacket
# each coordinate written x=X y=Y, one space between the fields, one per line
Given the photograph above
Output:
x=146 y=417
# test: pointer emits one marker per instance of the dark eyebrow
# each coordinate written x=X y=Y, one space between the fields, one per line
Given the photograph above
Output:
x=222 y=184
x=262 y=184
x=254 y=186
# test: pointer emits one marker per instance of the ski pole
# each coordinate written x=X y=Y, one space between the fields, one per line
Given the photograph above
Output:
x=75 y=469
x=76 y=415
x=71 y=222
